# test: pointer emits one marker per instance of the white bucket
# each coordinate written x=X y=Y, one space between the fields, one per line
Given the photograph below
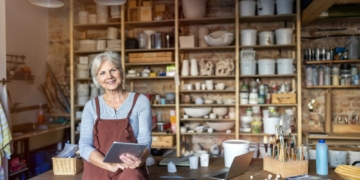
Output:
x=270 y=123
x=83 y=99
x=284 y=6
x=337 y=158
x=285 y=66
x=248 y=67
x=354 y=156
x=247 y=8
x=312 y=154
x=233 y=148
x=266 y=66
x=248 y=37
x=266 y=38
x=283 y=36
x=265 y=7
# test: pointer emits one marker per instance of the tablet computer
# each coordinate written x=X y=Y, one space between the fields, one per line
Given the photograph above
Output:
x=118 y=148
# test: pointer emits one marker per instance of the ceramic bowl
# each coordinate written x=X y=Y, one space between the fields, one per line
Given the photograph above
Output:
x=220 y=126
x=197 y=111
x=191 y=125
x=170 y=96
x=208 y=101
x=219 y=38
x=220 y=111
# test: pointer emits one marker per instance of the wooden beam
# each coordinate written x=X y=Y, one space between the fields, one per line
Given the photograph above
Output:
x=348 y=2
x=315 y=9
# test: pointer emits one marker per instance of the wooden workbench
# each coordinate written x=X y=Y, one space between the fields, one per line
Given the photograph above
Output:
x=256 y=167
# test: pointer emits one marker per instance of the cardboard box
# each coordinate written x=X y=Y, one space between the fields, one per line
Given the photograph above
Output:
x=289 y=98
x=160 y=8
x=162 y=141
x=285 y=169
x=187 y=41
x=145 y=13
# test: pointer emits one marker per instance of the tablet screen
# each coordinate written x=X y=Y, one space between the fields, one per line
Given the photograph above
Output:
x=118 y=148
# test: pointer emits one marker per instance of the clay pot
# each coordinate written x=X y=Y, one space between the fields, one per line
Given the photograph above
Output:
x=193 y=9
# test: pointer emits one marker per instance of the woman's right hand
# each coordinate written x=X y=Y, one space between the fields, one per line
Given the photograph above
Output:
x=113 y=167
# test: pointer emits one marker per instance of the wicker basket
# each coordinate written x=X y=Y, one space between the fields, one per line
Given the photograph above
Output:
x=67 y=166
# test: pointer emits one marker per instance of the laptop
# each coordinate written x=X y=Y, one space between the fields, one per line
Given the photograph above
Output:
x=239 y=165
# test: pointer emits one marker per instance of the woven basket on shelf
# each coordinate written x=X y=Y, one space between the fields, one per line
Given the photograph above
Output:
x=67 y=166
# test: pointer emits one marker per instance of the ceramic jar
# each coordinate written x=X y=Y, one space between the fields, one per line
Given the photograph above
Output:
x=193 y=9
x=185 y=68
x=194 y=68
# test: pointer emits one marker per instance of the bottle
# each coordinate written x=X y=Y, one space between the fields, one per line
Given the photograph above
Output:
x=327 y=81
x=354 y=71
x=309 y=76
x=321 y=158
x=353 y=48
x=173 y=121
x=321 y=76
x=335 y=76
x=40 y=118
x=356 y=80
x=315 y=76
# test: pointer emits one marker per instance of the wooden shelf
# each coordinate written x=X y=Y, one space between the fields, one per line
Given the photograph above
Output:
x=210 y=134
x=207 y=91
x=207 y=119
x=208 y=77
x=93 y=52
x=207 y=105
x=18 y=172
x=97 y=26
x=163 y=133
x=333 y=87
x=332 y=62
x=149 y=50
x=290 y=46
x=267 y=18
x=150 y=78
x=336 y=20
x=146 y=24
x=213 y=48
x=153 y=147
x=150 y=64
x=257 y=134
x=268 y=76
x=211 y=20
x=266 y=105
x=60 y=115
x=163 y=105
x=82 y=79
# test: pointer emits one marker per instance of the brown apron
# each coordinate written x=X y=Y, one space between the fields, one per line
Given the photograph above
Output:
x=105 y=133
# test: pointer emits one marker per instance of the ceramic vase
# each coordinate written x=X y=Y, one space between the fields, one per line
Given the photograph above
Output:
x=201 y=33
x=185 y=68
x=148 y=34
x=193 y=9
x=194 y=68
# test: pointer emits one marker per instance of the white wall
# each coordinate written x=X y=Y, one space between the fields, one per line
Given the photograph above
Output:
x=27 y=34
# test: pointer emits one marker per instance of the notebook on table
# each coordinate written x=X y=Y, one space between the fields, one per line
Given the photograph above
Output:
x=239 y=165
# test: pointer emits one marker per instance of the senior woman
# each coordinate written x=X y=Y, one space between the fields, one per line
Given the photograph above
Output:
x=116 y=115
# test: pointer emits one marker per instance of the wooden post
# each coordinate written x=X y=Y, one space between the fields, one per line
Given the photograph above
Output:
x=328 y=117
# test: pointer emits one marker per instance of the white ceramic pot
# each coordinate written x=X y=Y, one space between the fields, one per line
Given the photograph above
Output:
x=194 y=68
x=248 y=37
x=193 y=9
x=266 y=38
x=185 y=68
x=283 y=36
x=219 y=38
x=337 y=158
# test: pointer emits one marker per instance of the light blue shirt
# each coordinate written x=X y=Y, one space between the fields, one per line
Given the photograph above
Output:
x=140 y=121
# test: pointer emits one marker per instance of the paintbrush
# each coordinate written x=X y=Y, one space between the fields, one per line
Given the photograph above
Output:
x=265 y=144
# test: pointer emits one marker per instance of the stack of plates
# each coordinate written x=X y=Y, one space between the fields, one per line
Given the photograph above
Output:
x=83 y=17
x=114 y=45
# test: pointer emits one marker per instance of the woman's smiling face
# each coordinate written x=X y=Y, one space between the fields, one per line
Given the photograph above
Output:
x=109 y=76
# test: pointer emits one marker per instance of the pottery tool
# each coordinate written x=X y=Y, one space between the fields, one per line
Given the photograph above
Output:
x=265 y=144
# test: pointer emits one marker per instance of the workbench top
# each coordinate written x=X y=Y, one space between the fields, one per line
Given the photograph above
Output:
x=255 y=169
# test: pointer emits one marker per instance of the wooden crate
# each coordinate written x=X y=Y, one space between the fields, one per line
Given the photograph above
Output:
x=151 y=57
x=146 y=13
x=283 y=98
x=162 y=141
x=286 y=169
x=346 y=128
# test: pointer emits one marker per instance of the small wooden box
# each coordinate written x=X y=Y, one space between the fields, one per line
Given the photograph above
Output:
x=346 y=128
x=286 y=169
x=289 y=98
x=145 y=13
x=133 y=14
x=162 y=141
x=132 y=3
x=187 y=41
x=160 y=8
x=151 y=59
x=150 y=55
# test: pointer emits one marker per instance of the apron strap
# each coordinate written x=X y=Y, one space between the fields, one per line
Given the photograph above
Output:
x=97 y=106
x=134 y=101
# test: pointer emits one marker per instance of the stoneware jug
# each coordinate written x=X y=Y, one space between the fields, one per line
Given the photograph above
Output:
x=194 y=68
x=185 y=68
x=193 y=9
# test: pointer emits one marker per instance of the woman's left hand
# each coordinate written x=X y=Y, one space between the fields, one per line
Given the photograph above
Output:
x=133 y=162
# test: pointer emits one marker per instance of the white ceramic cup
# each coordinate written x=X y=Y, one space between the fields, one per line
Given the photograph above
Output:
x=209 y=84
x=212 y=115
x=189 y=87
x=210 y=130
x=183 y=129
x=197 y=86
x=194 y=162
x=204 y=160
x=186 y=116
x=203 y=86
x=220 y=86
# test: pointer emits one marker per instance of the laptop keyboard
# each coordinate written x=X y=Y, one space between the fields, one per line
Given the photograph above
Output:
x=221 y=176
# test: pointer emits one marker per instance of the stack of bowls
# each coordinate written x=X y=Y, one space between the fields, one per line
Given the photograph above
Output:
x=83 y=93
x=83 y=71
x=92 y=18
x=83 y=17
x=113 y=45
x=102 y=14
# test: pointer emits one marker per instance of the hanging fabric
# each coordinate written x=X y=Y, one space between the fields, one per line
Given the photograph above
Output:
x=5 y=135
x=5 y=102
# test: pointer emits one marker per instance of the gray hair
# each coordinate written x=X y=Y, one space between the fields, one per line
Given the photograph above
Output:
x=110 y=56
